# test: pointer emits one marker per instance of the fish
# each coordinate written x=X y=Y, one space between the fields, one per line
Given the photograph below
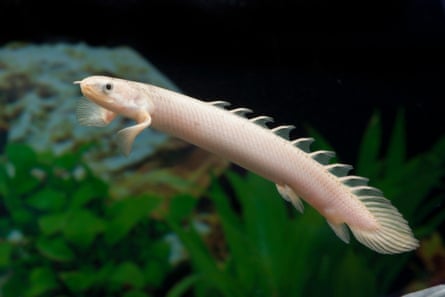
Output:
x=346 y=201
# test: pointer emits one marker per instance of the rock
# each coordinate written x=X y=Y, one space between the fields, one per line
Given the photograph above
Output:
x=38 y=103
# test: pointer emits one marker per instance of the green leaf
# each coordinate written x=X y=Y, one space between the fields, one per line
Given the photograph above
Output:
x=55 y=249
x=82 y=226
x=23 y=183
x=351 y=279
x=260 y=200
x=127 y=275
x=21 y=155
x=67 y=161
x=419 y=176
x=427 y=213
x=271 y=243
x=22 y=159
x=103 y=273
x=52 y=223
x=21 y=216
x=47 y=199
x=4 y=181
x=184 y=285
x=5 y=253
x=15 y=285
x=42 y=280
x=368 y=157
x=395 y=155
x=203 y=261
x=181 y=206
x=238 y=241
x=125 y=214
x=88 y=191
x=78 y=281
x=155 y=272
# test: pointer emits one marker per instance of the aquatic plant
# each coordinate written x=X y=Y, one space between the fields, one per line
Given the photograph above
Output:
x=263 y=254
x=272 y=251
x=62 y=236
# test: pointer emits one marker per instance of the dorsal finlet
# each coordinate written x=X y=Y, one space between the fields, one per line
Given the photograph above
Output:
x=322 y=157
x=261 y=120
x=303 y=143
x=283 y=131
x=354 y=180
x=339 y=169
x=219 y=103
x=366 y=191
x=241 y=111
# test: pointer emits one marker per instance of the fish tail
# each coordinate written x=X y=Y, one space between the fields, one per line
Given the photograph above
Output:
x=392 y=234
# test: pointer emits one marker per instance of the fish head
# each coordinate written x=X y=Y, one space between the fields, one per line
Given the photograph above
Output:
x=115 y=94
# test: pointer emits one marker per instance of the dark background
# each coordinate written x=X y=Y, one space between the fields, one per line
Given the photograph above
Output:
x=329 y=64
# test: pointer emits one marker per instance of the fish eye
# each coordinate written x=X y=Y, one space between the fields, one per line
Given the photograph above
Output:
x=108 y=87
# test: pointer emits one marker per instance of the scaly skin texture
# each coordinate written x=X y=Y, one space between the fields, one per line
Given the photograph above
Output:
x=297 y=173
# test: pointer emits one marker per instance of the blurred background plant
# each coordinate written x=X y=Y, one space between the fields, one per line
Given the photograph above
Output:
x=274 y=252
x=60 y=234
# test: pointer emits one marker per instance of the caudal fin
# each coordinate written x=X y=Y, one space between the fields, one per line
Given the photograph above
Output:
x=393 y=234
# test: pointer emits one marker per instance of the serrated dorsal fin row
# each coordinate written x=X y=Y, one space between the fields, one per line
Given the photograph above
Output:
x=283 y=131
x=241 y=111
x=219 y=103
x=322 y=157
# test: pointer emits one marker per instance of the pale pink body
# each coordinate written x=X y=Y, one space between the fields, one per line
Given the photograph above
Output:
x=257 y=149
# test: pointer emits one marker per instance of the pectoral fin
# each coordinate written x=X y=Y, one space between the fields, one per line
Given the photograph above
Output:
x=126 y=136
x=289 y=195
x=90 y=114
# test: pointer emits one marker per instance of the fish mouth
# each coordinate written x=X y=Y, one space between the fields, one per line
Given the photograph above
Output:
x=87 y=90
x=83 y=86
x=91 y=92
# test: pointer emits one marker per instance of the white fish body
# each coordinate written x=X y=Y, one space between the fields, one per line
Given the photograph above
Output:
x=342 y=199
